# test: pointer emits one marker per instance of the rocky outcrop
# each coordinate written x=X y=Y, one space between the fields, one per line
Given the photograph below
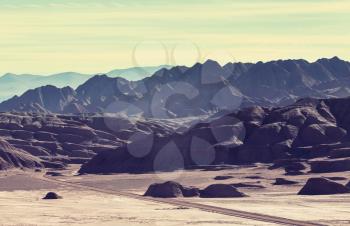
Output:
x=171 y=189
x=46 y=136
x=11 y=157
x=328 y=166
x=256 y=134
x=221 y=191
x=322 y=186
x=283 y=181
x=288 y=137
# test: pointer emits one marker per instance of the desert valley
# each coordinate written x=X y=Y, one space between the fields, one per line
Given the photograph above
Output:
x=260 y=164
x=174 y=113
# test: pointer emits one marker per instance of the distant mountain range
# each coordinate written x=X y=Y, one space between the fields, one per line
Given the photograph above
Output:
x=190 y=91
x=13 y=84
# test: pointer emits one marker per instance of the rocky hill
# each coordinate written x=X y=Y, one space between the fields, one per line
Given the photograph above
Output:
x=37 y=139
x=311 y=130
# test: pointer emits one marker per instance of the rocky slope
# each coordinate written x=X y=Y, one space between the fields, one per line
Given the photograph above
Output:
x=11 y=157
x=201 y=89
x=35 y=139
x=311 y=130
x=312 y=133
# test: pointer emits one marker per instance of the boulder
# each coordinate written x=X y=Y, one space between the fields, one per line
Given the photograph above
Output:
x=321 y=133
x=222 y=177
x=281 y=150
x=283 y=181
x=170 y=189
x=190 y=191
x=52 y=195
x=328 y=166
x=322 y=186
x=221 y=191
x=254 y=113
x=254 y=177
x=266 y=134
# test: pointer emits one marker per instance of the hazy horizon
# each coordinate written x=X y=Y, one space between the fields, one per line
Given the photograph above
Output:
x=48 y=37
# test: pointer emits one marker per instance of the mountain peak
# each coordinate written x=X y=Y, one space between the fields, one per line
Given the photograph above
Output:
x=336 y=58
x=211 y=62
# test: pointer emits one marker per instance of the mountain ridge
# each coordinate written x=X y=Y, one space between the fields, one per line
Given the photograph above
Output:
x=16 y=84
x=206 y=88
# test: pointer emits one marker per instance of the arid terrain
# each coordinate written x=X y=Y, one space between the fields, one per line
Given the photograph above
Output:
x=174 y=113
x=21 y=198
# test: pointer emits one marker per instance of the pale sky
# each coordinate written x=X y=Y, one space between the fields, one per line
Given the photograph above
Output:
x=90 y=36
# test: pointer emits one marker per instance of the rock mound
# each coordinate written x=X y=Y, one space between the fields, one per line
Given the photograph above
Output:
x=52 y=195
x=223 y=177
x=327 y=166
x=170 y=189
x=322 y=186
x=221 y=191
x=283 y=181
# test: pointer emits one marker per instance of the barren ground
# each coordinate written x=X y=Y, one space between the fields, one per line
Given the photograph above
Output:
x=21 y=203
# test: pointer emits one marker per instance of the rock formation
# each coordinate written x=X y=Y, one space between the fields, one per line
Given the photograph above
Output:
x=171 y=189
x=322 y=186
x=221 y=191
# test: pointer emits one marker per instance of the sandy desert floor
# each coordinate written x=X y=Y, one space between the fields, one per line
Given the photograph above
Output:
x=21 y=203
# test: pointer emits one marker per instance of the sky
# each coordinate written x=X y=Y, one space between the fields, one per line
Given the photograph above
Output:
x=92 y=36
